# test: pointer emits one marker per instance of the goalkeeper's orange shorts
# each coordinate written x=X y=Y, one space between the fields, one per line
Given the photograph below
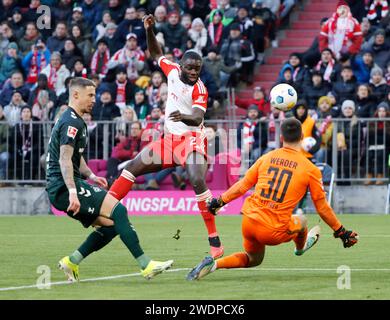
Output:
x=256 y=235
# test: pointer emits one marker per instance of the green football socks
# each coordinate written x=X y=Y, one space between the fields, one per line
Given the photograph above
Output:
x=95 y=241
x=128 y=234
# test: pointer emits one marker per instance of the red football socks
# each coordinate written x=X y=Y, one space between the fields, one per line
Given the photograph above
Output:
x=122 y=185
x=209 y=219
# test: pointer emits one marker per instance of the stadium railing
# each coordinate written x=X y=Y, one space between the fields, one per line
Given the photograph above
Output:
x=363 y=158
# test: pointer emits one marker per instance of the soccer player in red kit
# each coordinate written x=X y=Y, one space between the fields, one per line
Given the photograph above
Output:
x=184 y=142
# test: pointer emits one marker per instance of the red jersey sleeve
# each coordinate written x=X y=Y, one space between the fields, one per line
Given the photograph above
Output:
x=166 y=65
x=200 y=96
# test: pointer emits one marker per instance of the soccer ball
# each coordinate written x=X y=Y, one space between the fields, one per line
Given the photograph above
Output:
x=308 y=143
x=283 y=97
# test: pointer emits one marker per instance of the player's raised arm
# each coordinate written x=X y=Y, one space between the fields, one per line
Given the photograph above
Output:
x=87 y=172
x=66 y=153
x=348 y=237
x=236 y=190
x=153 y=45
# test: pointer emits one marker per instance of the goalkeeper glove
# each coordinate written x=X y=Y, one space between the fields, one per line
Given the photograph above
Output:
x=348 y=237
x=214 y=205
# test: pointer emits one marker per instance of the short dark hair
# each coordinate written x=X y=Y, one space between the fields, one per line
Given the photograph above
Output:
x=81 y=83
x=291 y=130
x=190 y=54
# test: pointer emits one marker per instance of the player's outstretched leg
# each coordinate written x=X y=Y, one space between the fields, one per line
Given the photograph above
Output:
x=136 y=167
x=128 y=235
x=304 y=243
x=95 y=241
x=236 y=260
x=196 y=168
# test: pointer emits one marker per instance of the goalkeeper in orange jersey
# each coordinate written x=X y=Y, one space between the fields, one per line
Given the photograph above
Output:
x=281 y=178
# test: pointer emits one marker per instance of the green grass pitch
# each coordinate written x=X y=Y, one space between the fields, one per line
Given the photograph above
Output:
x=28 y=242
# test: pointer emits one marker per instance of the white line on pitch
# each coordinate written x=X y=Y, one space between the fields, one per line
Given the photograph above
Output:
x=59 y=283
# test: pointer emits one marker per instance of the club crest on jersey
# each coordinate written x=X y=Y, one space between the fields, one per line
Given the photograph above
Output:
x=72 y=132
x=200 y=100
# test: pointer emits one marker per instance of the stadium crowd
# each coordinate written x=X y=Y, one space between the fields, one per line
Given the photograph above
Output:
x=344 y=74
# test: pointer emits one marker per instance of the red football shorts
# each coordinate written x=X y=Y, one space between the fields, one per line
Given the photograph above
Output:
x=172 y=150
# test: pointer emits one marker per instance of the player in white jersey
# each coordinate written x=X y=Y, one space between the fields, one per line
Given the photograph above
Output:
x=184 y=142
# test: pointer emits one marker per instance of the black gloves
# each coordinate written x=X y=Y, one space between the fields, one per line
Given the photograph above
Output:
x=348 y=237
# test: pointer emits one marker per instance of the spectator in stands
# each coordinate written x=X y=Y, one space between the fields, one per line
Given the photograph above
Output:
x=116 y=9
x=379 y=48
x=31 y=13
x=378 y=84
x=362 y=66
x=245 y=22
x=110 y=37
x=140 y=104
x=43 y=108
x=229 y=12
x=70 y=53
x=259 y=99
x=100 y=59
x=121 y=89
x=10 y=63
x=325 y=129
x=25 y=147
x=198 y=34
x=199 y=8
x=4 y=154
x=16 y=83
x=215 y=30
x=77 y=18
x=105 y=109
x=154 y=90
x=95 y=136
x=366 y=29
x=378 y=144
x=6 y=8
x=131 y=56
x=57 y=41
x=252 y=135
x=160 y=14
x=346 y=87
x=101 y=28
x=92 y=11
x=12 y=111
x=42 y=85
x=215 y=65
x=365 y=101
x=186 y=21
x=6 y=37
x=35 y=61
x=328 y=66
x=132 y=24
x=123 y=123
x=309 y=129
x=214 y=144
x=78 y=69
x=63 y=11
x=30 y=37
x=17 y=23
x=341 y=33
x=234 y=50
x=125 y=151
x=82 y=41
x=347 y=142
x=263 y=9
x=56 y=73
x=298 y=70
x=275 y=118
x=174 y=34
x=258 y=38
x=377 y=10
x=314 y=90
